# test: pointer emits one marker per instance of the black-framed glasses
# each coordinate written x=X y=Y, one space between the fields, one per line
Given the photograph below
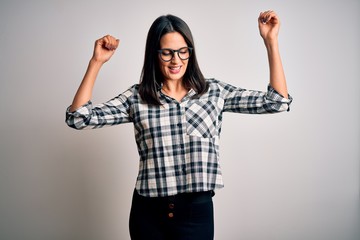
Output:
x=167 y=54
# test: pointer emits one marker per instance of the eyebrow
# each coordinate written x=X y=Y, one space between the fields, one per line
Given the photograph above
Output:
x=173 y=49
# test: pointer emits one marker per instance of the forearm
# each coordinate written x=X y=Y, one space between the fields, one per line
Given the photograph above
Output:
x=84 y=92
x=277 y=75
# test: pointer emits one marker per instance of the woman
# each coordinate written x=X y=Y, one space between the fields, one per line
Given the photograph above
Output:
x=177 y=116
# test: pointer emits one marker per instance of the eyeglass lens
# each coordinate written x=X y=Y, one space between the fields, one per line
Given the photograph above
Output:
x=168 y=54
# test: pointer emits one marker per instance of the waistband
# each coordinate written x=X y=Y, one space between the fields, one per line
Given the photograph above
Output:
x=182 y=197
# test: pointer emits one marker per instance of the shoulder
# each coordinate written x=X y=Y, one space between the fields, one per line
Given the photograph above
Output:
x=132 y=90
x=219 y=85
x=134 y=87
x=130 y=94
x=212 y=81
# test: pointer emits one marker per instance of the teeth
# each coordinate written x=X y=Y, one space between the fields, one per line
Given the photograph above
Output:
x=174 y=68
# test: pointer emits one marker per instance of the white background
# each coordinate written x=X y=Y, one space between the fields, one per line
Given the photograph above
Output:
x=289 y=176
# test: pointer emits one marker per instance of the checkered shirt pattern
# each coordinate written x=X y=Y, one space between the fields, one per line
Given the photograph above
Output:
x=178 y=142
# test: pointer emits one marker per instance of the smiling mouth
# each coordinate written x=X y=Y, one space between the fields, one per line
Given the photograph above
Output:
x=175 y=69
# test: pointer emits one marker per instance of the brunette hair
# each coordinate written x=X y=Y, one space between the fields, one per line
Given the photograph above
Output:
x=151 y=76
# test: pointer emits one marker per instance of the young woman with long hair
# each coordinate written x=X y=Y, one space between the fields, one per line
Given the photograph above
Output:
x=177 y=117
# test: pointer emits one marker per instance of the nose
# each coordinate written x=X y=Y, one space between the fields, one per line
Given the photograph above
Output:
x=175 y=58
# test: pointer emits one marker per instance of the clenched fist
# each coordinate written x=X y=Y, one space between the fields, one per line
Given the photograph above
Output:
x=104 y=48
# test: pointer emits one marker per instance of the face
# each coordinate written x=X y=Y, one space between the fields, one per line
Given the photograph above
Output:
x=175 y=68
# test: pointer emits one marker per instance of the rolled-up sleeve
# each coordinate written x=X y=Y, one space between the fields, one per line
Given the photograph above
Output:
x=254 y=102
x=112 y=112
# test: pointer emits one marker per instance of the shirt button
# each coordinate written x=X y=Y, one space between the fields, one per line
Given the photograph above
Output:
x=171 y=215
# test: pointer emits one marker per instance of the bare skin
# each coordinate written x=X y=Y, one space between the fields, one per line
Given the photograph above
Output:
x=269 y=25
x=103 y=50
x=173 y=84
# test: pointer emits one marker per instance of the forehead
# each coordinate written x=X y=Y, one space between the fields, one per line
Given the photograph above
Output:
x=173 y=40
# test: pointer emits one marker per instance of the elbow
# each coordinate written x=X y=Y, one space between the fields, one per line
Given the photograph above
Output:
x=77 y=123
x=284 y=107
x=278 y=103
x=76 y=126
x=280 y=107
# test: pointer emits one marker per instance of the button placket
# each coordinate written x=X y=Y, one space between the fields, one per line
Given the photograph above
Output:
x=182 y=119
x=171 y=207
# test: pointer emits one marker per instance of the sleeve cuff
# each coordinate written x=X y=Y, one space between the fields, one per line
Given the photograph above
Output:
x=273 y=95
x=80 y=111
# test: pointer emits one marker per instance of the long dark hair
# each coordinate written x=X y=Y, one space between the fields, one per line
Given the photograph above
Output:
x=151 y=76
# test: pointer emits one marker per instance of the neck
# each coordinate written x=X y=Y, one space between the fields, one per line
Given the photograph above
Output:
x=174 y=86
x=174 y=89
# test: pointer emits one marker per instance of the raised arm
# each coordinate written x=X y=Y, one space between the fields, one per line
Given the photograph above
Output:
x=269 y=25
x=103 y=50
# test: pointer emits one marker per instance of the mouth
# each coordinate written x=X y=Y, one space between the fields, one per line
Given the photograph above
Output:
x=175 y=69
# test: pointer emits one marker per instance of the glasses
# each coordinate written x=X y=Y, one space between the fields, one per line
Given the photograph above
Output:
x=167 y=54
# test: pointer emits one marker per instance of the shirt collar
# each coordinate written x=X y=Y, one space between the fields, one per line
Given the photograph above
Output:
x=166 y=99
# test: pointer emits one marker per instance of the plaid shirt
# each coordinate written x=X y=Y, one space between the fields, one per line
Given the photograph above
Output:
x=178 y=142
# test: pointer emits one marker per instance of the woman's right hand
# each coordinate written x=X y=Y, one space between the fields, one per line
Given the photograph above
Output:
x=104 y=48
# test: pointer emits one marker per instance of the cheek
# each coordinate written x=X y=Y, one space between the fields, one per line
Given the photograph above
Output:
x=185 y=66
x=162 y=67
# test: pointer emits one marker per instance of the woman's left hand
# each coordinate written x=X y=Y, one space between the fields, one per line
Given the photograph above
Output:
x=269 y=25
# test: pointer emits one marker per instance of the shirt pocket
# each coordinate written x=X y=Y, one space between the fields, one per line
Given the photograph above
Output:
x=202 y=119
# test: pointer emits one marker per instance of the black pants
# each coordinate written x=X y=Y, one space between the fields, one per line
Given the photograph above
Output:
x=187 y=216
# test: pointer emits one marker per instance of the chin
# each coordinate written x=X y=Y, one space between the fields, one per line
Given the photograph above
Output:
x=175 y=78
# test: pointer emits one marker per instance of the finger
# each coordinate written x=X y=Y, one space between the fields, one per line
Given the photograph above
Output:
x=259 y=18
x=117 y=43
x=100 y=41
x=114 y=43
x=267 y=16
x=263 y=17
x=272 y=18
x=110 y=42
